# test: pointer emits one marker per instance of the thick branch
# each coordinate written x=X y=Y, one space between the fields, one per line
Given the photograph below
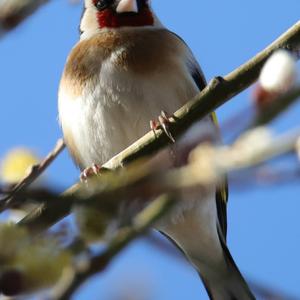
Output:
x=217 y=93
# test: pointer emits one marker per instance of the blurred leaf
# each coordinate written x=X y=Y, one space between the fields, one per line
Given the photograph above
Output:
x=16 y=165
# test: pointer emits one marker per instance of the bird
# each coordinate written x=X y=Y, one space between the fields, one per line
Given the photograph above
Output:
x=124 y=71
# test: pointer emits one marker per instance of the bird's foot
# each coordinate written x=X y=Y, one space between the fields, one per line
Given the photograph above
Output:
x=163 y=123
x=90 y=171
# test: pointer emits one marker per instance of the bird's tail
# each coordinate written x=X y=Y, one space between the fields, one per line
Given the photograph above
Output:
x=229 y=285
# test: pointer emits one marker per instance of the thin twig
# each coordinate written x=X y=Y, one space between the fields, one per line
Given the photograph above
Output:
x=13 y=12
x=108 y=201
x=273 y=109
x=250 y=117
x=35 y=172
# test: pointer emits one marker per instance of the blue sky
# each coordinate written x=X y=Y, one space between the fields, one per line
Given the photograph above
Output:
x=264 y=230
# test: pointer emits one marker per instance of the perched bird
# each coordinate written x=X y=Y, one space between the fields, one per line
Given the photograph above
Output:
x=126 y=69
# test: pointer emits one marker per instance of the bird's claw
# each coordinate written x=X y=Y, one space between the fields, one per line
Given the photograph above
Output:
x=163 y=123
x=90 y=171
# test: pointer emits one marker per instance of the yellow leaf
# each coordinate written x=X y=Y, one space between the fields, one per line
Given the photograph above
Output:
x=16 y=165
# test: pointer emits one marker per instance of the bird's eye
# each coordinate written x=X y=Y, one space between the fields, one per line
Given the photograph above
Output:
x=102 y=4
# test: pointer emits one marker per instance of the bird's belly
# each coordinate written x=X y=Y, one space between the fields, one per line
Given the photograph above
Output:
x=108 y=117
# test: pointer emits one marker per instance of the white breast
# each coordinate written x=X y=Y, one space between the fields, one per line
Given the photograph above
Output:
x=116 y=107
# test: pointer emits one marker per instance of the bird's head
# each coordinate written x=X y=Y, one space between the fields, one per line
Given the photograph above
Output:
x=103 y=14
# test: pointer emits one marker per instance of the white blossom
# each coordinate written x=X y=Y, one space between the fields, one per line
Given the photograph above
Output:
x=279 y=72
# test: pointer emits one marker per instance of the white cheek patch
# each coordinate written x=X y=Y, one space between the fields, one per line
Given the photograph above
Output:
x=89 y=24
x=127 y=6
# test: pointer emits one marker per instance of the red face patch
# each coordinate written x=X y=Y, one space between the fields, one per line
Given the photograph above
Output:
x=107 y=18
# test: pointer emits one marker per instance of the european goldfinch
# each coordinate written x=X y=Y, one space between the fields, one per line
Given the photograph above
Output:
x=126 y=69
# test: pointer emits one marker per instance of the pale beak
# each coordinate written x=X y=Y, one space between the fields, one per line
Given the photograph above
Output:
x=125 y=6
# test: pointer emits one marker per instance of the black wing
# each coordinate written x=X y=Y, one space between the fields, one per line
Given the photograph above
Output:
x=222 y=189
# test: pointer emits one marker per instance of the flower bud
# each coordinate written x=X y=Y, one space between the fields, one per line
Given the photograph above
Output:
x=277 y=76
x=279 y=72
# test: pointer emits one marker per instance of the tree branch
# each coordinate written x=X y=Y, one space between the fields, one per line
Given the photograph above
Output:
x=35 y=172
x=13 y=12
x=218 y=92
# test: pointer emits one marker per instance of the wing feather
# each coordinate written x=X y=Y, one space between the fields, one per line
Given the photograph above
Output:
x=222 y=189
